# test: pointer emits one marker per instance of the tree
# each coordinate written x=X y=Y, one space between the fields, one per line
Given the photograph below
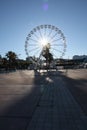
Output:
x=4 y=63
x=11 y=56
x=48 y=56
x=0 y=57
x=12 y=59
x=0 y=61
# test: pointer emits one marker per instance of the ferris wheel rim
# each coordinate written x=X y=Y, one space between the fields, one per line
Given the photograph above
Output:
x=52 y=28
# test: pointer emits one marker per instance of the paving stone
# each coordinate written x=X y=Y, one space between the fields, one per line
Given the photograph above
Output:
x=58 y=109
x=7 y=123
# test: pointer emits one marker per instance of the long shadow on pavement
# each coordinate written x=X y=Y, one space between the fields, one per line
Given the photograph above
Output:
x=18 y=105
x=21 y=105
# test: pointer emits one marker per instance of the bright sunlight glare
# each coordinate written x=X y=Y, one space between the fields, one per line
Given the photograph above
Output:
x=43 y=41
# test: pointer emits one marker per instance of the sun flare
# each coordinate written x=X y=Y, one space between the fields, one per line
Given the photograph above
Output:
x=44 y=41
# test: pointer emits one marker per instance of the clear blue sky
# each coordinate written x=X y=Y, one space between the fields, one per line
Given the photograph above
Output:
x=19 y=17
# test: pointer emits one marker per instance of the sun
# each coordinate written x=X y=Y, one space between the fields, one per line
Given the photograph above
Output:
x=43 y=41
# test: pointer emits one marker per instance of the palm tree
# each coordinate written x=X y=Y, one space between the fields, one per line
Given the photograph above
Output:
x=12 y=59
x=11 y=55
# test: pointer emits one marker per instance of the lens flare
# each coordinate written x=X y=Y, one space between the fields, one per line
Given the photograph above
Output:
x=45 y=6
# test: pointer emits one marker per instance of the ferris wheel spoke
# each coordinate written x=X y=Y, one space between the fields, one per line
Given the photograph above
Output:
x=56 y=40
x=57 y=50
x=33 y=45
x=57 y=45
x=50 y=33
x=36 y=36
x=54 y=36
x=45 y=32
x=40 y=33
x=34 y=49
x=34 y=40
x=54 y=55
x=37 y=52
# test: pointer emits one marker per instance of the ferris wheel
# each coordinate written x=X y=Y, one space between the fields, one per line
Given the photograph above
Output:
x=42 y=37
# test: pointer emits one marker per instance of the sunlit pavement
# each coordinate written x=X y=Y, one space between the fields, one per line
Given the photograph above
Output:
x=39 y=101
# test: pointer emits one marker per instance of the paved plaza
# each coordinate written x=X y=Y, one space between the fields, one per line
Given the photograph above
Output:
x=53 y=100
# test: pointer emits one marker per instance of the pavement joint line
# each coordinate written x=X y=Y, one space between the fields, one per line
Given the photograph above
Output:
x=19 y=117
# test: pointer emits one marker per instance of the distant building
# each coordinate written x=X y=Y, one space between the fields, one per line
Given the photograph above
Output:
x=75 y=57
x=29 y=59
